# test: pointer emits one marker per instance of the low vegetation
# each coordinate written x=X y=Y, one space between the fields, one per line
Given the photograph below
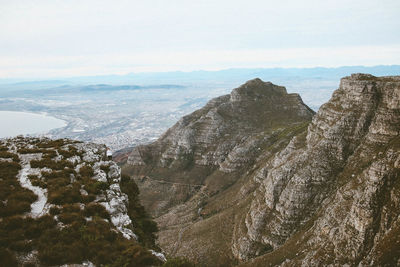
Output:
x=14 y=199
x=51 y=164
x=5 y=154
x=178 y=262
x=86 y=232
x=143 y=225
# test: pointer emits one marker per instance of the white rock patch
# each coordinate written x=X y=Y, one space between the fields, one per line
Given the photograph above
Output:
x=38 y=208
x=116 y=206
x=159 y=255
x=117 y=203
x=84 y=264
x=100 y=176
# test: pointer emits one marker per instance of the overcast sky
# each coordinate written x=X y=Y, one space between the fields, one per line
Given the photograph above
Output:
x=50 y=38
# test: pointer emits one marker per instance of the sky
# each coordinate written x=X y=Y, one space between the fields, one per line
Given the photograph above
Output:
x=54 y=38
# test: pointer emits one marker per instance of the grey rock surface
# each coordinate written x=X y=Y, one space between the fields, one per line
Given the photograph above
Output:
x=247 y=177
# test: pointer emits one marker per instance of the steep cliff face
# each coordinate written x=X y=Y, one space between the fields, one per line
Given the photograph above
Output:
x=208 y=136
x=289 y=194
x=222 y=139
x=342 y=179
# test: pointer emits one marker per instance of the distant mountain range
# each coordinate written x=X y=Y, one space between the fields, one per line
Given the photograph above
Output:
x=235 y=75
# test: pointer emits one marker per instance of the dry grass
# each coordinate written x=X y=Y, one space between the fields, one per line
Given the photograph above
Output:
x=5 y=154
x=79 y=240
x=51 y=164
x=86 y=171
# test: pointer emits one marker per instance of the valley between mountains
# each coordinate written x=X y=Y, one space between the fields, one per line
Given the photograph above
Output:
x=256 y=178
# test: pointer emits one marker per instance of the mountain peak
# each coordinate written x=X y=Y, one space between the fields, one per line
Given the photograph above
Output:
x=369 y=77
x=257 y=88
x=250 y=177
x=256 y=82
x=362 y=76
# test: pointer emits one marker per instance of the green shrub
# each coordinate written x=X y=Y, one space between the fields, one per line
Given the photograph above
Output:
x=13 y=198
x=65 y=173
x=36 y=181
x=23 y=195
x=54 y=211
x=105 y=168
x=178 y=262
x=5 y=154
x=95 y=242
x=48 y=175
x=21 y=246
x=66 y=153
x=71 y=208
x=35 y=228
x=29 y=150
x=51 y=143
x=12 y=223
x=8 y=170
x=70 y=217
x=79 y=240
x=49 y=154
x=72 y=151
x=136 y=256
x=94 y=209
x=88 y=198
x=65 y=195
x=51 y=164
x=58 y=183
x=61 y=253
x=7 y=258
x=86 y=171
x=95 y=187
x=14 y=207
x=144 y=227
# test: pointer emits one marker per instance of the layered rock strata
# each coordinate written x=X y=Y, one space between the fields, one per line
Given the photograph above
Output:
x=287 y=193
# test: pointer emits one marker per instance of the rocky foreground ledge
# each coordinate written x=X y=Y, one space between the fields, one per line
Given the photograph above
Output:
x=63 y=203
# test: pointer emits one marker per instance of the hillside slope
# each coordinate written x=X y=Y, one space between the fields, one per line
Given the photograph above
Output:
x=336 y=198
x=62 y=204
x=247 y=179
x=196 y=168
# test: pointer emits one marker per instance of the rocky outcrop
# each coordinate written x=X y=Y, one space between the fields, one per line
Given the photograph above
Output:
x=61 y=203
x=337 y=177
x=209 y=135
x=291 y=194
x=226 y=136
x=207 y=152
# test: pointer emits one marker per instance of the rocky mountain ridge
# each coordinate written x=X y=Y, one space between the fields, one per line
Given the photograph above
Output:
x=254 y=178
x=221 y=139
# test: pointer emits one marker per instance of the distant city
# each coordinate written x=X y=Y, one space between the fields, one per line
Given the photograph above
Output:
x=128 y=110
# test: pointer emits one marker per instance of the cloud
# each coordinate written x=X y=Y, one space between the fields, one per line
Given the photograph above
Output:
x=58 y=66
x=54 y=37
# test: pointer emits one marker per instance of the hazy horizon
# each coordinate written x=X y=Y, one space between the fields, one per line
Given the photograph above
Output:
x=47 y=39
x=392 y=67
